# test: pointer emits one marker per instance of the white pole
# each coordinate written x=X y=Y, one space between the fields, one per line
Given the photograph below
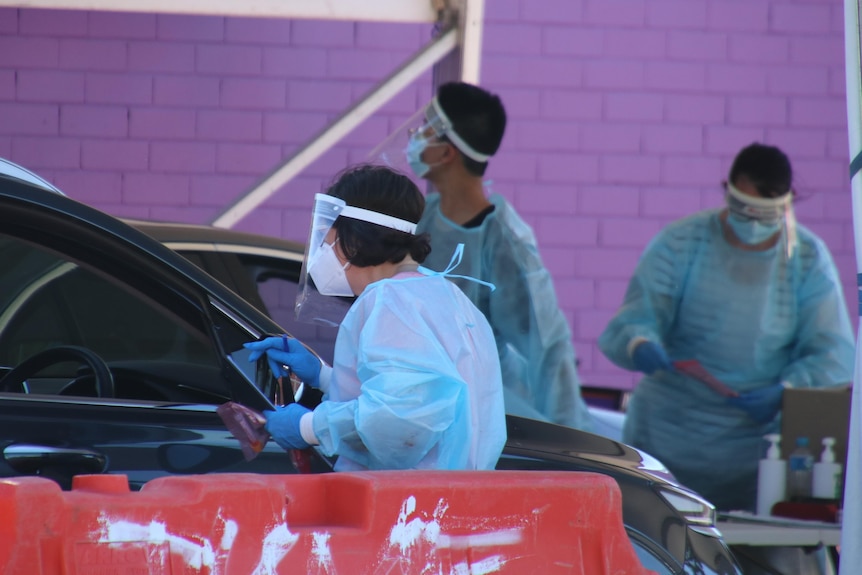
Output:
x=349 y=119
x=851 y=529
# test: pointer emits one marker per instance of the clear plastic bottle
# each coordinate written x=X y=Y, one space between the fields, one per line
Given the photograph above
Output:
x=799 y=469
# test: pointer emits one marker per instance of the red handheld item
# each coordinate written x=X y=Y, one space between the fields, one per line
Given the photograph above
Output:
x=693 y=368
x=245 y=424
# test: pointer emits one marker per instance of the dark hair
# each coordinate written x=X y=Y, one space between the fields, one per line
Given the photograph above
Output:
x=767 y=167
x=477 y=116
x=379 y=189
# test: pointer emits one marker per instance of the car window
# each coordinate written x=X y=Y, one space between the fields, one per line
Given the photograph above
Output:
x=279 y=296
x=47 y=300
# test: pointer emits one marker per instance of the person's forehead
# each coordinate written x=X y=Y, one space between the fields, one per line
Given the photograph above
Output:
x=746 y=186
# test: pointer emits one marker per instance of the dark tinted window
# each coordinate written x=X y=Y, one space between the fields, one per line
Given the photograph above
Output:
x=279 y=296
x=47 y=300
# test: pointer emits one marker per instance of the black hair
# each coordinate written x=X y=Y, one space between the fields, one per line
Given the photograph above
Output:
x=767 y=167
x=379 y=189
x=477 y=116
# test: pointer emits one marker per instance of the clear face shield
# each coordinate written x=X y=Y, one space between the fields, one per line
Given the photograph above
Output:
x=765 y=213
x=324 y=293
x=403 y=149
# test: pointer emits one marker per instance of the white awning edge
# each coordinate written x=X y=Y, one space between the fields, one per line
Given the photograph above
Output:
x=403 y=11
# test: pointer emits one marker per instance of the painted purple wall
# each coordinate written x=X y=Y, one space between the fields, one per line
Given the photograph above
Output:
x=624 y=115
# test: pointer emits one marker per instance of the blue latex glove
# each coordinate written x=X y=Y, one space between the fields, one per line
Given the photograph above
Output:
x=650 y=357
x=287 y=351
x=761 y=404
x=283 y=425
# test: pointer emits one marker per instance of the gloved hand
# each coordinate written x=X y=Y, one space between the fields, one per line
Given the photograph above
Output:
x=761 y=404
x=287 y=351
x=283 y=425
x=650 y=357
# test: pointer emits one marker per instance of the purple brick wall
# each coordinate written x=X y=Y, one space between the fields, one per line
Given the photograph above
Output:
x=624 y=115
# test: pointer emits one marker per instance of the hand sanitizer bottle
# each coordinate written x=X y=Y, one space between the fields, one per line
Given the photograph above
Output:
x=827 y=473
x=771 y=476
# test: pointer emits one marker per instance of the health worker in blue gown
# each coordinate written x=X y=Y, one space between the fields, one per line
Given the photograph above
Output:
x=415 y=381
x=451 y=141
x=756 y=299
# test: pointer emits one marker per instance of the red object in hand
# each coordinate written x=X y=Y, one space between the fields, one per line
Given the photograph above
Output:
x=301 y=459
x=693 y=368
x=246 y=425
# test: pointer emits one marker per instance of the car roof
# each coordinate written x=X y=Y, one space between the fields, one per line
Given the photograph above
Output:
x=185 y=237
x=21 y=194
x=13 y=170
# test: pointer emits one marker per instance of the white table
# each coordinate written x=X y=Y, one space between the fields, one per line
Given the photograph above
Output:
x=746 y=529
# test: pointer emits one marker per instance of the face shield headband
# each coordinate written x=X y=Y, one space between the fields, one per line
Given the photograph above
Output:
x=324 y=293
x=766 y=210
x=384 y=220
x=437 y=120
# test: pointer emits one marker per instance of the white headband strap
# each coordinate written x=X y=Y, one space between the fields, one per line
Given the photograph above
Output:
x=379 y=219
x=456 y=139
x=759 y=202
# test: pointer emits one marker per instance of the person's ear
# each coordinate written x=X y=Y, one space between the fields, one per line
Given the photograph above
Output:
x=449 y=153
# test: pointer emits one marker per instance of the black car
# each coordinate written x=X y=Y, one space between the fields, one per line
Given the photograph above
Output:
x=116 y=352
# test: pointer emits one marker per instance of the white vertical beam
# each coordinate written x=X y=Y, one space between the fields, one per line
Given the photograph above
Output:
x=347 y=121
x=851 y=526
x=470 y=19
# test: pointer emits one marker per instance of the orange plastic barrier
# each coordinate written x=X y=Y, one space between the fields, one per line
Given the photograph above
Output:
x=454 y=523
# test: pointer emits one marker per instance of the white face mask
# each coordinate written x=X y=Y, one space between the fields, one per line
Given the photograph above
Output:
x=328 y=273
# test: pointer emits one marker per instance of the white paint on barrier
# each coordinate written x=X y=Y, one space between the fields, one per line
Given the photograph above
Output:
x=196 y=555
x=413 y=539
x=230 y=531
x=408 y=535
x=495 y=539
x=405 y=534
x=490 y=564
x=321 y=552
x=276 y=544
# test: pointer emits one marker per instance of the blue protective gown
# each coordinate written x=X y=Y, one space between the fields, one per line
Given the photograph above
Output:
x=752 y=319
x=415 y=381
x=536 y=352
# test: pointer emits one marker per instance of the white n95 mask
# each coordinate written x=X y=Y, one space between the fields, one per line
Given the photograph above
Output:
x=328 y=273
x=323 y=274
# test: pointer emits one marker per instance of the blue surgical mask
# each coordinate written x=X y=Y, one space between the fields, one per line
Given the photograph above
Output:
x=751 y=231
x=413 y=153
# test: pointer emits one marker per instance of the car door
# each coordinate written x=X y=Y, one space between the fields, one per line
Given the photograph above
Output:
x=171 y=337
x=269 y=283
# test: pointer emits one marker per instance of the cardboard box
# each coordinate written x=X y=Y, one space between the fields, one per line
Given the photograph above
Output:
x=815 y=414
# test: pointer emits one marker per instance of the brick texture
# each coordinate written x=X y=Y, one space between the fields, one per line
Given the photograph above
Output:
x=623 y=116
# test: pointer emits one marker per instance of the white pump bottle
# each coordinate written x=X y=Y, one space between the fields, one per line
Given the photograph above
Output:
x=827 y=473
x=771 y=477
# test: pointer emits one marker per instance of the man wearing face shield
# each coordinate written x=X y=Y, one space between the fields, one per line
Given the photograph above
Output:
x=757 y=300
x=450 y=146
x=415 y=381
